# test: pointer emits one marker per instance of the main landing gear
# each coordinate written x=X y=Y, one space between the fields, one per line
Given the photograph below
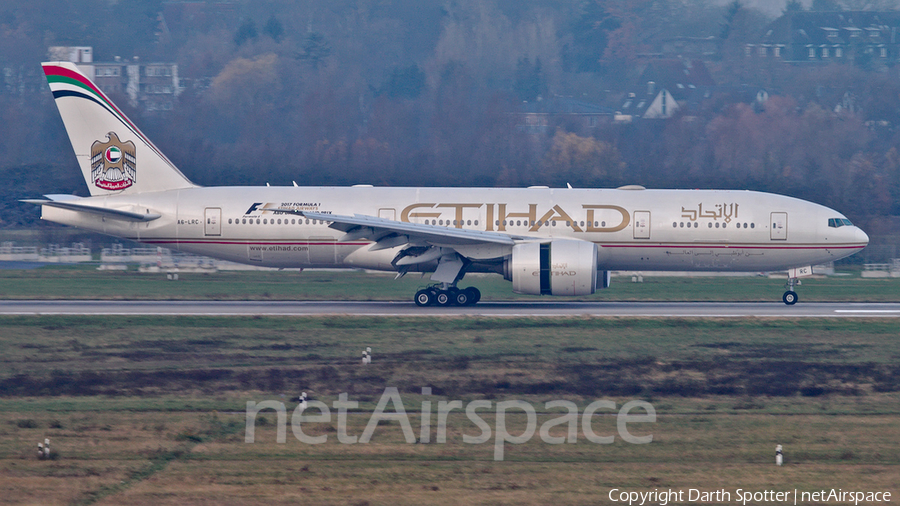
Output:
x=442 y=295
x=790 y=296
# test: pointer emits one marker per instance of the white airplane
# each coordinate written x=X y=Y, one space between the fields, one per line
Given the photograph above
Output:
x=546 y=241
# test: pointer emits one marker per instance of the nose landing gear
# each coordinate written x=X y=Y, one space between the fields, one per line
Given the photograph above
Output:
x=440 y=295
x=790 y=296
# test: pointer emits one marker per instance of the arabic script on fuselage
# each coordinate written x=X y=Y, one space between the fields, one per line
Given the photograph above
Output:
x=725 y=212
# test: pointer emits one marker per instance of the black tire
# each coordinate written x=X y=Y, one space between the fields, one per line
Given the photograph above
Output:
x=443 y=298
x=790 y=297
x=461 y=298
x=424 y=298
x=474 y=295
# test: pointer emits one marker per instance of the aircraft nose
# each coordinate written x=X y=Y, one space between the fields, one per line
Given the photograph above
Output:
x=861 y=236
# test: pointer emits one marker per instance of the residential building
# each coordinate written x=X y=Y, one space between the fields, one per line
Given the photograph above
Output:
x=666 y=87
x=863 y=37
x=699 y=48
x=543 y=114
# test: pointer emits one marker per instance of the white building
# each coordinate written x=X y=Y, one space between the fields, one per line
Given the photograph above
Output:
x=149 y=86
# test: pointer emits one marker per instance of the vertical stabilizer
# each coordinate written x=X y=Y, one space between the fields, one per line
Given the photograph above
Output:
x=114 y=155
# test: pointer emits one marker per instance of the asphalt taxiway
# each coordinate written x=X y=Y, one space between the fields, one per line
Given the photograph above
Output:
x=490 y=309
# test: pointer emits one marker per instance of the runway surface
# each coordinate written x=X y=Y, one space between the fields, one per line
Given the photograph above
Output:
x=494 y=309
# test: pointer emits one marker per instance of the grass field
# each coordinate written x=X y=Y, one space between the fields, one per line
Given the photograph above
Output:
x=151 y=410
x=84 y=281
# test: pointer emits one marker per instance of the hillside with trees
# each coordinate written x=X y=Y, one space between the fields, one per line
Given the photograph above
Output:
x=431 y=92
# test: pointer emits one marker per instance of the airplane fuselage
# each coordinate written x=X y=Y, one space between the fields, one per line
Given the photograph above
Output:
x=702 y=230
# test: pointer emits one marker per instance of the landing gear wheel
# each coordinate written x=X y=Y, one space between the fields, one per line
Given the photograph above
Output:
x=443 y=298
x=461 y=298
x=790 y=297
x=424 y=297
x=474 y=295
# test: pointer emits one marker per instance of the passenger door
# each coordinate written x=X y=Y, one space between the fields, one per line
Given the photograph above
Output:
x=642 y=224
x=778 y=232
x=212 y=221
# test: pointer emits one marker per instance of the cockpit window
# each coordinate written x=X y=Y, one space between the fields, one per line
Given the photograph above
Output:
x=839 y=222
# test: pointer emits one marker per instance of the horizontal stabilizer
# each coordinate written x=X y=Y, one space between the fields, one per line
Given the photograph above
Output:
x=106 y=212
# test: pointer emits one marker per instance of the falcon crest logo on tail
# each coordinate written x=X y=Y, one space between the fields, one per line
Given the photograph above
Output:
x=113 y=163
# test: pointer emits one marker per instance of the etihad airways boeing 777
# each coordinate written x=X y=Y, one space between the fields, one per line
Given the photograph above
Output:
x=546 y=241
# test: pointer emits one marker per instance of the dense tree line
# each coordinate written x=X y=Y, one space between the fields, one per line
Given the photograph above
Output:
x=412 y=92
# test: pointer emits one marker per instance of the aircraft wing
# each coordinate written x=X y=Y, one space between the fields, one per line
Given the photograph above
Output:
x=381 y=229
x=69 y=203
x=426 y=242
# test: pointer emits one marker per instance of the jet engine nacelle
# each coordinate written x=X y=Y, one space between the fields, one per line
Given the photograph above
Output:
x=558 y=267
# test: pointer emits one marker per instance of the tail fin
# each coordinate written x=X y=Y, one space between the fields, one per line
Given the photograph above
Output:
x=114 y=156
